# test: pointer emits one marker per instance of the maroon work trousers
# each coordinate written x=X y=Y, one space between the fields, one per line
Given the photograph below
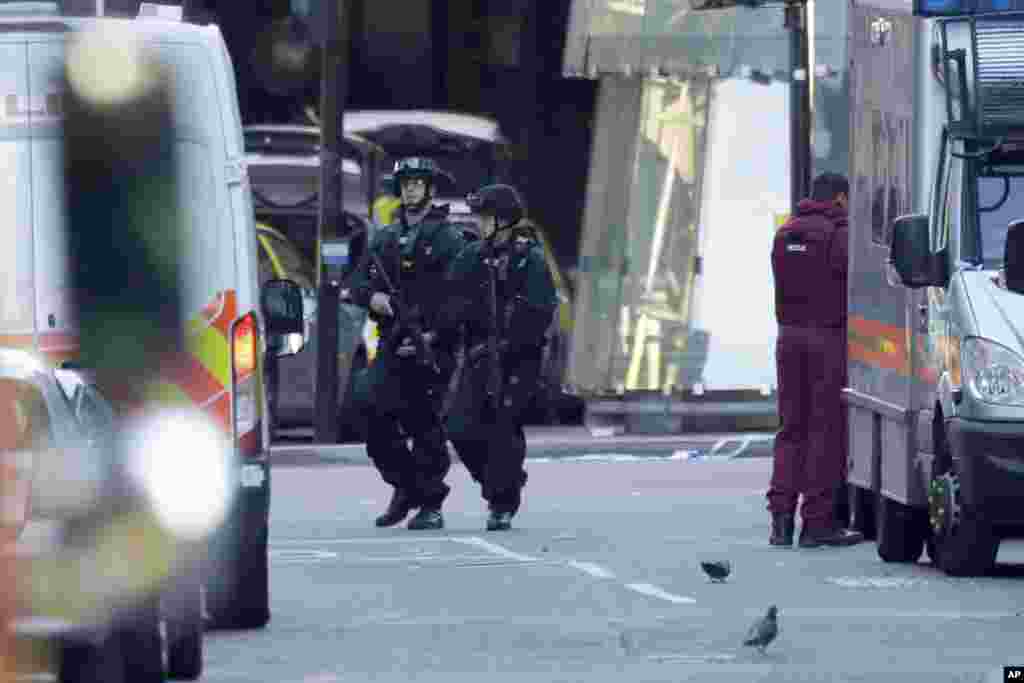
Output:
x=810 y=447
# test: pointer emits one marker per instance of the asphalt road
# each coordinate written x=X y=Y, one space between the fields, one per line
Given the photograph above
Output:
x=599 y=581
x=574 y=443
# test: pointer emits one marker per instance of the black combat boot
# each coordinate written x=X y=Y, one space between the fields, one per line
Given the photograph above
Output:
x=499 y=520
x=398 y=508
x=428 y=518
x=783 y=528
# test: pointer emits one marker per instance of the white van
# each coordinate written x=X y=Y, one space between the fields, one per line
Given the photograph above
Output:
x=226 y=327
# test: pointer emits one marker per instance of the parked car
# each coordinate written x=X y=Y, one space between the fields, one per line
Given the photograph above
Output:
x=180 y=596
x=61 y=493
x=291 y=380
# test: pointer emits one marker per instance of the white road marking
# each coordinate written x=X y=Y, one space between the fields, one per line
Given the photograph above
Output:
x=873 y=581
x=356 y=541
x=592 y=569
x=693 y=659
x=302 y=555
x=424 y=559
x=494 y=548
x=655 y=592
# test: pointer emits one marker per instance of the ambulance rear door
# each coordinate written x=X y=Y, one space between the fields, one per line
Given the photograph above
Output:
x=17 y=292
x=56 y=330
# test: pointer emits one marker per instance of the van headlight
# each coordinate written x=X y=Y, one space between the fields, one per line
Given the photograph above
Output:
x=992 y=372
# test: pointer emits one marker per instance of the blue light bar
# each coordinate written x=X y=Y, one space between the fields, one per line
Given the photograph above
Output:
x=955 y=8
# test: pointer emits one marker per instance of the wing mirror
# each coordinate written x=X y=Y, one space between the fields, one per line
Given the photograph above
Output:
x=911 y=255
x=281 y=301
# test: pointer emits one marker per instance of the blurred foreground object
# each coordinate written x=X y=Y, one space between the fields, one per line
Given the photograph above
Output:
x=141 y=266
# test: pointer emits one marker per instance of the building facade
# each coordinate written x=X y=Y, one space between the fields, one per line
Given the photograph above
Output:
x=689 y=178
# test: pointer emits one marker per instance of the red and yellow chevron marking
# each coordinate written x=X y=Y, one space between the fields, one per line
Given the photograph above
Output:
x=888 y=347
x=203 y=378
x=879 y=344
x=203 y=375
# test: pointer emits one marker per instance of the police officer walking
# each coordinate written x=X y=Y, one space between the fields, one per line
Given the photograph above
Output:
x=402 y=286
x=503 y=299
x=809 y=262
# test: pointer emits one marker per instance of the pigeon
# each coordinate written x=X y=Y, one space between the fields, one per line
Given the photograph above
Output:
x=764 y=630
x=717 y=570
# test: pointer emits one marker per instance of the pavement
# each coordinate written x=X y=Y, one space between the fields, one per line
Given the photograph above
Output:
x=599 y=581
x=562 y=443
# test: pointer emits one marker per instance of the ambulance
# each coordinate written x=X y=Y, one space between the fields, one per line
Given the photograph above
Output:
x=226 y=327
x=935 y=391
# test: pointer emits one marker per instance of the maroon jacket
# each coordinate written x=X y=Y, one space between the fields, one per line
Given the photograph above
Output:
x=809 y=265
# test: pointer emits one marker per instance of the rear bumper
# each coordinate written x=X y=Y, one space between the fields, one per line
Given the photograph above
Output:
x=990 y=460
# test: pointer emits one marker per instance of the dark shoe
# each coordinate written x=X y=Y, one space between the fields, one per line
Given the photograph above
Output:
x=398 y=508
x=499 y=521
x=830 y=537
x=783 y=528
x=427 y=519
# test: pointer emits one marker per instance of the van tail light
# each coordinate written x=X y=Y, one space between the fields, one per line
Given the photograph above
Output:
x=245 y=384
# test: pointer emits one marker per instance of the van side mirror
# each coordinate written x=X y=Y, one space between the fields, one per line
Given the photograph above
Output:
x=281 y=303
x=911 y=254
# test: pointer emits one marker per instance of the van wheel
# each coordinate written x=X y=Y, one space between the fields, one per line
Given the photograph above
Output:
x=141 y=644
x=185 y=635
x=85 y=662
x=862 y=511
x=964 y=544
x=900 y=531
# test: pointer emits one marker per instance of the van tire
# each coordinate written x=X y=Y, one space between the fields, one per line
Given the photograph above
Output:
x=970 y=550
x=141 y=644
x=185 y=635
x=969 y=546
x=862 y=511
x=86 y=662
x=901 y=530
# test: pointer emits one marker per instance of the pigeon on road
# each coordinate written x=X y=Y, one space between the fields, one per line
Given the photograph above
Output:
x=764 y=630
x=717 y=570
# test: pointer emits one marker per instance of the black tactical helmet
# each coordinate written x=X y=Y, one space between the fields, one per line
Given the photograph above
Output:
x=499 y=200
x=410 y=167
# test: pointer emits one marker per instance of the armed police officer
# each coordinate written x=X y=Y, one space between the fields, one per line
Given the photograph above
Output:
x=502 y=299
x=402 y=286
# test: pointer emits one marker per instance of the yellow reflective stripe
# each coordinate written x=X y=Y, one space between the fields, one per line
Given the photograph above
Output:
x=166 y=393
x=213 y=351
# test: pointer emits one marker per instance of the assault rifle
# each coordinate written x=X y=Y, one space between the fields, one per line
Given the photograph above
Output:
x=407 y=322
x=494 y=374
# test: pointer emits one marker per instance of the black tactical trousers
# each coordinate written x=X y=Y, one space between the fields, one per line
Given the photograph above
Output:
x=403 y=403
x=490 y=440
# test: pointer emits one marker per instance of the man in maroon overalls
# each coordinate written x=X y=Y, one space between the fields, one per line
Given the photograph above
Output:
x=809 y=265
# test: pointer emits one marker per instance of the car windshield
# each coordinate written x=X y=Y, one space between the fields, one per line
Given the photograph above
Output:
x=1000 y=188
x=993 y=224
